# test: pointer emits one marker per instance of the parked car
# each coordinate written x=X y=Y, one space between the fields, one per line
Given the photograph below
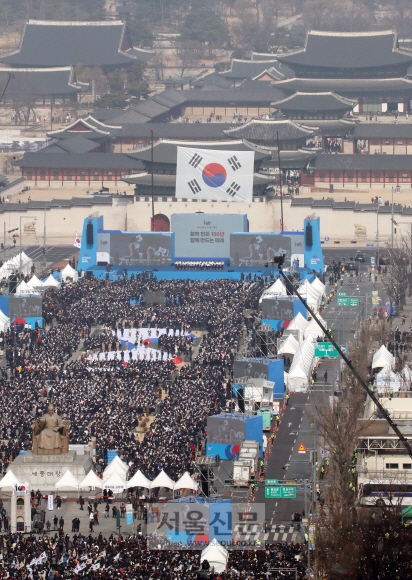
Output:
x=350 y=266
x=384 y=259
x=359 y=257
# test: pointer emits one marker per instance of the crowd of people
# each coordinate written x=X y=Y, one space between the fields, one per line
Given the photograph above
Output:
x=59 y=556
x=105 y=399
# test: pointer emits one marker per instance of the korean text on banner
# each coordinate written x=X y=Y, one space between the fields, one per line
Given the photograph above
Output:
x=213 y=174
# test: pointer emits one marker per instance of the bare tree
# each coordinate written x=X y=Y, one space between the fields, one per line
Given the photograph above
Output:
x=187 y=53
x=399 y=277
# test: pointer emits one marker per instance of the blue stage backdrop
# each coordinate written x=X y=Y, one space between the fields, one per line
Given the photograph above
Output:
x=205 y=236
x=23 y=309
x=199 y=236
x=265 y=368
x=278 y=311
x=226 y=433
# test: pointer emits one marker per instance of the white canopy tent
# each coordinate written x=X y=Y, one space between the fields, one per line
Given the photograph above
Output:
x=24 y=288
x=277 y=289
x=51 y=282
x=91 y=480
x=313 y=329
x=289 y=346
x=139 y=480
x=216 y=555
x=8 y=481
x=301 y=367
x=386 y=380
x=297 y=325
x=4 y=322
x=115 y=481
x=318 y=285
x=116 y=466
x=67 y=481
x=34 y=282
x=382 y=358
x=69 y=272
x=162 y=480
x=186 y=482
x=313 y=295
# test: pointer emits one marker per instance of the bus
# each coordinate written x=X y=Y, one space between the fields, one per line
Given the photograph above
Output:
x=385 y=492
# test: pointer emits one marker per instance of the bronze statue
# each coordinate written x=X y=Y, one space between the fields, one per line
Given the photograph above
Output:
x=50 y=434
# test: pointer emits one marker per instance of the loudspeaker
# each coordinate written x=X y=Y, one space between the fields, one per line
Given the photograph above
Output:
x=241 y=400
x=89 y=234
x=308 y=235
x=204 y=481
x=12 y=284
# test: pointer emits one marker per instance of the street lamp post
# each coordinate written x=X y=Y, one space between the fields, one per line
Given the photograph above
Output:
x=24 y=217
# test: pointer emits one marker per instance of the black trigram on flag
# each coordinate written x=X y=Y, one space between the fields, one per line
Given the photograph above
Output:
x=194 y=186
x=233 y=189
x=234 y=163
x=196 y=159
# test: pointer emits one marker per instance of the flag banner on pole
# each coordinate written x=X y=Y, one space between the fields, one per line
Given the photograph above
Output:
x=215 y=174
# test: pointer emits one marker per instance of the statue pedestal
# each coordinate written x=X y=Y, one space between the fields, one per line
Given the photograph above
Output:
x=43 y=471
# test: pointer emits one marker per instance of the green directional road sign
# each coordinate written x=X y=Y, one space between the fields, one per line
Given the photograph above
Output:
x=271 y=481
x=280 y=491
x=342 y=294
x=348 y=301
x=325 y=349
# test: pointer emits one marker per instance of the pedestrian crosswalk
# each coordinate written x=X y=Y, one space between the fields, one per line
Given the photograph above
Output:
x=281 y=533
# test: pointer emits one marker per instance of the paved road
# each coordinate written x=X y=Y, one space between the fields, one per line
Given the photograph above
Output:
x=296 y=426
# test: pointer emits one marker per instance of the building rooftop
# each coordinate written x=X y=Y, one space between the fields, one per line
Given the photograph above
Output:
x=249 y=69
x=47 y=43
x=348 y=50
x=88 y=127
x=262 y=130
x=193 y=131
x=343 y=86
x=362 y=163
x=42 y=159
x=165 y=151
x=76 y=144
x=327 y=101
x=31 y=82
x=383 y=130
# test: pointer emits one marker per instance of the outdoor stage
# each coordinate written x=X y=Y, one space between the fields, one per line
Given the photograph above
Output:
x=194 y=248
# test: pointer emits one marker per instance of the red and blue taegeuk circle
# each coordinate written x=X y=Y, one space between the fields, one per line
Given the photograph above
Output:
x=214 y=174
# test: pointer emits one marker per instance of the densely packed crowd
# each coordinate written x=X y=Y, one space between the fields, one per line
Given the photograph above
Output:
x=105 y=398
x=95 y=557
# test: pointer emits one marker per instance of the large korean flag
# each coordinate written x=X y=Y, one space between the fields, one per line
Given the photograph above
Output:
x=213 y=174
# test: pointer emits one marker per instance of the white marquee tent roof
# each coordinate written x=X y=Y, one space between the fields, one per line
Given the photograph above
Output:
x=289 y=346
x=313 y=328
x=116 y=482
x=318 y=285
x=216 y=555
x=69 y=272
x=9 y=480
x=162 y=480
x=91 y=480
x=34 y=282
x=277 y=289
x=67 y=481
x=382 y=358
x=186 y=482
x=51 y=282
x=4 y=321
x=139 y=480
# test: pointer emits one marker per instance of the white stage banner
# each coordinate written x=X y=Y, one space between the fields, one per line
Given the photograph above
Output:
x=214 y=174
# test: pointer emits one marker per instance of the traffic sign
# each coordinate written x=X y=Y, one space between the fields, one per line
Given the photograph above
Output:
x=348 y=301
x=372 y=261
x=280 y=492
x=301 y=448
x=325 y=349
x=327 y=239
x=342 y=294
x=271 y=481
